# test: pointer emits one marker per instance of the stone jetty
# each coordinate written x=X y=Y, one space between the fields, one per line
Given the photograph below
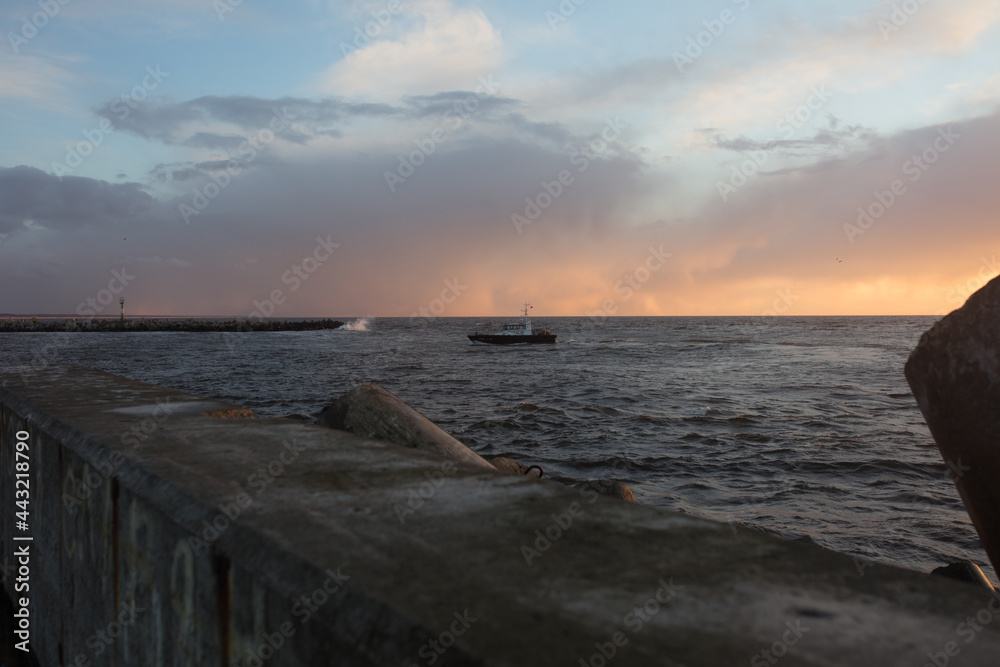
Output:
x=35 y=324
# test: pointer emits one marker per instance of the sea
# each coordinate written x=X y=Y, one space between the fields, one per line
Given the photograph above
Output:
x=803 y=427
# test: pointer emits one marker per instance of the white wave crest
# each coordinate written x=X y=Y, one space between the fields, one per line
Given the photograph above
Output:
x=360 y=324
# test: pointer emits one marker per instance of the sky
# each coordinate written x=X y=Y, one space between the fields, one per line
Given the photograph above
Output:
x=446 y=158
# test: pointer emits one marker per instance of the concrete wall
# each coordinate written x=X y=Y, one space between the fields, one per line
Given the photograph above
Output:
x=347 y=551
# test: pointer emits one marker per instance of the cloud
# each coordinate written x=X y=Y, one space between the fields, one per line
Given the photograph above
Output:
x=788 y=228
x=44 y=82
x=439 y=104
x=30 y=194
x=833 y=140
x=451 y=219
x=936 y=27
x=431 y=45
x=172 y=123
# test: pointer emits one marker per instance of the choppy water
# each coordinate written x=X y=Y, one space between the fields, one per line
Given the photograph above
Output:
x=800 y=426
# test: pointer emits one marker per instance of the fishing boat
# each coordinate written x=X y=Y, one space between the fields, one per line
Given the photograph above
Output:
x=515 y=333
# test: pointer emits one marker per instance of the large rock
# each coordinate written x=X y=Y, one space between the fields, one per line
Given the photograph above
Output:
x=512 y=467
x=608 y=487
x=373 y=412
x=966 y=571
x=955 y=376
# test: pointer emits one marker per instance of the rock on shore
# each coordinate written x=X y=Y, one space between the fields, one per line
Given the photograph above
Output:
x=374 y=412
x=954 y=373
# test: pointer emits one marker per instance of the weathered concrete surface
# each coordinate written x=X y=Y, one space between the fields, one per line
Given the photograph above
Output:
x=374 y=412
x=955 y=376
x=350 y=551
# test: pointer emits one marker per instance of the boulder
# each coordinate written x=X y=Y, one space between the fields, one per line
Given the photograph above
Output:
x=373 y=412
x=954 y=373
x=504 y=464
x=608 y=487
x=966 y=571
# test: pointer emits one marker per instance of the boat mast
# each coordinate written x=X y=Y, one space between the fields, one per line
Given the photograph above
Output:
x=526 y=307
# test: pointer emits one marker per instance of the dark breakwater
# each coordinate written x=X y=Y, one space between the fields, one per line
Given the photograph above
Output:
x=60 y=325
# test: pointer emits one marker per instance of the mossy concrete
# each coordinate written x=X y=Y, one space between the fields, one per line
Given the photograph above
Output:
x=349 y=551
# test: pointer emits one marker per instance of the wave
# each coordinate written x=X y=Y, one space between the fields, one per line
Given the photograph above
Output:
x=360 y=324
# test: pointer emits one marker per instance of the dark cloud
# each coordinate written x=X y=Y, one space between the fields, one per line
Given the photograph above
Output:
x=836 y=138
x=176 y=171
x=451 y=217
x=300 y=118
x=227 y=142
x=29 y=194
x=459 y=101
x=557 y=133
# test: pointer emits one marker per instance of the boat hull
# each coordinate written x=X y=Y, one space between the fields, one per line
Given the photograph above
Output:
x=496 y=339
